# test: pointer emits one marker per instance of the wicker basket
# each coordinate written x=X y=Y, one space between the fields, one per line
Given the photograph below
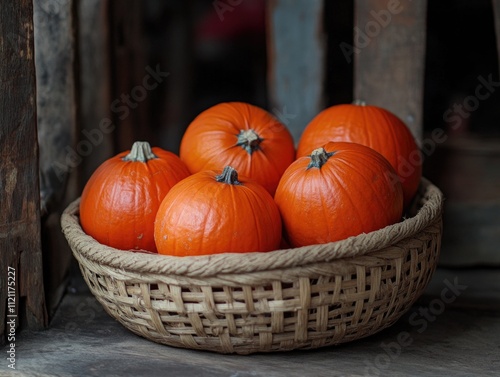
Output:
x=299 y=298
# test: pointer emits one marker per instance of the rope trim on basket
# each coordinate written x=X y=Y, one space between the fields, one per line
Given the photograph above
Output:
x=428 y=211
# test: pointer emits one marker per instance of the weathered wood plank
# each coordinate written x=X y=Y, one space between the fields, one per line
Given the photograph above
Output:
x=496 y=15
x=55 y=48
x=296 y=63
x=56 y=96
x=389 y=57
x=128 y=62
x=175 y=34
x=95 y=141
x=20 y=244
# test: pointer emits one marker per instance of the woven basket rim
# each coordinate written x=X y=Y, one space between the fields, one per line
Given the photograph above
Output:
x=237 y=263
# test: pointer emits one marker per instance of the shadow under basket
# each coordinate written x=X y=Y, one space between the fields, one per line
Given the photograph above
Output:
x=299 y=298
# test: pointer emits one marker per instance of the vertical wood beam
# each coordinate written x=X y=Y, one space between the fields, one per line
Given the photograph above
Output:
x=128 y=62
x=94 y=83
x=56 y=93
x=389 y=47
x=496 y=15
x=20 y=240
x=55 y=56
x=296 y=61
x=177 y=56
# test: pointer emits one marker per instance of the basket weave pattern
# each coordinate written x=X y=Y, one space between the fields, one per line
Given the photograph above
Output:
x=306 y=297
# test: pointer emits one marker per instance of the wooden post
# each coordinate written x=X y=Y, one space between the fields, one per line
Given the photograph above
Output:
x=56 y=102
x=95 y=85
x=389 y=56
x=496 y=14
x=128 y=89
x=176 y=55
x=20 y=244
x=296 y=61
x=55 y=50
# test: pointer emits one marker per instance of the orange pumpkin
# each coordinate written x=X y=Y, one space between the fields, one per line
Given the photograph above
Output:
x=119 y=202
x=340 y=190
x=374 y=127
x=208 y=213
x=244 y=136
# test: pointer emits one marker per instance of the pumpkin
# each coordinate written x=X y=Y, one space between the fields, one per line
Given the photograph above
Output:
x=341 y=190
x=120 y=200
x=374 y=127
x=244 y=136
x=209 y=213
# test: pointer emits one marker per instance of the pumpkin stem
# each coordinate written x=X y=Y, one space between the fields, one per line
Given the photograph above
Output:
x=359 y=102
x=318 y=158
x=229 y=175
x=249 y=140
x=141 y=151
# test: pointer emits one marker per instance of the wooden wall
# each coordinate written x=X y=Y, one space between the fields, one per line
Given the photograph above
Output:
x=20 y=242
x=64 y=63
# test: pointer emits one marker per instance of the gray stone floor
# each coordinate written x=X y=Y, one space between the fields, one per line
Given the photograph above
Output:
x=458 y=338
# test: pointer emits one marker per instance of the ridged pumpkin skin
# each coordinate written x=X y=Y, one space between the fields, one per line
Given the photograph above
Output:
x=341 y=190
x=374 y=127
x=208 y=213
x=119 y=202
x=243 y=136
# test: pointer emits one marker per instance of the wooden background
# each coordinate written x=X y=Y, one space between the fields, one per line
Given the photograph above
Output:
x=73 y=94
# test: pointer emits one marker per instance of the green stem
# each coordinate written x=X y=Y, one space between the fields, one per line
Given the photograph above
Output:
x=229 y=175
x=249 y=140
x=318 y=158
x=141 y=152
